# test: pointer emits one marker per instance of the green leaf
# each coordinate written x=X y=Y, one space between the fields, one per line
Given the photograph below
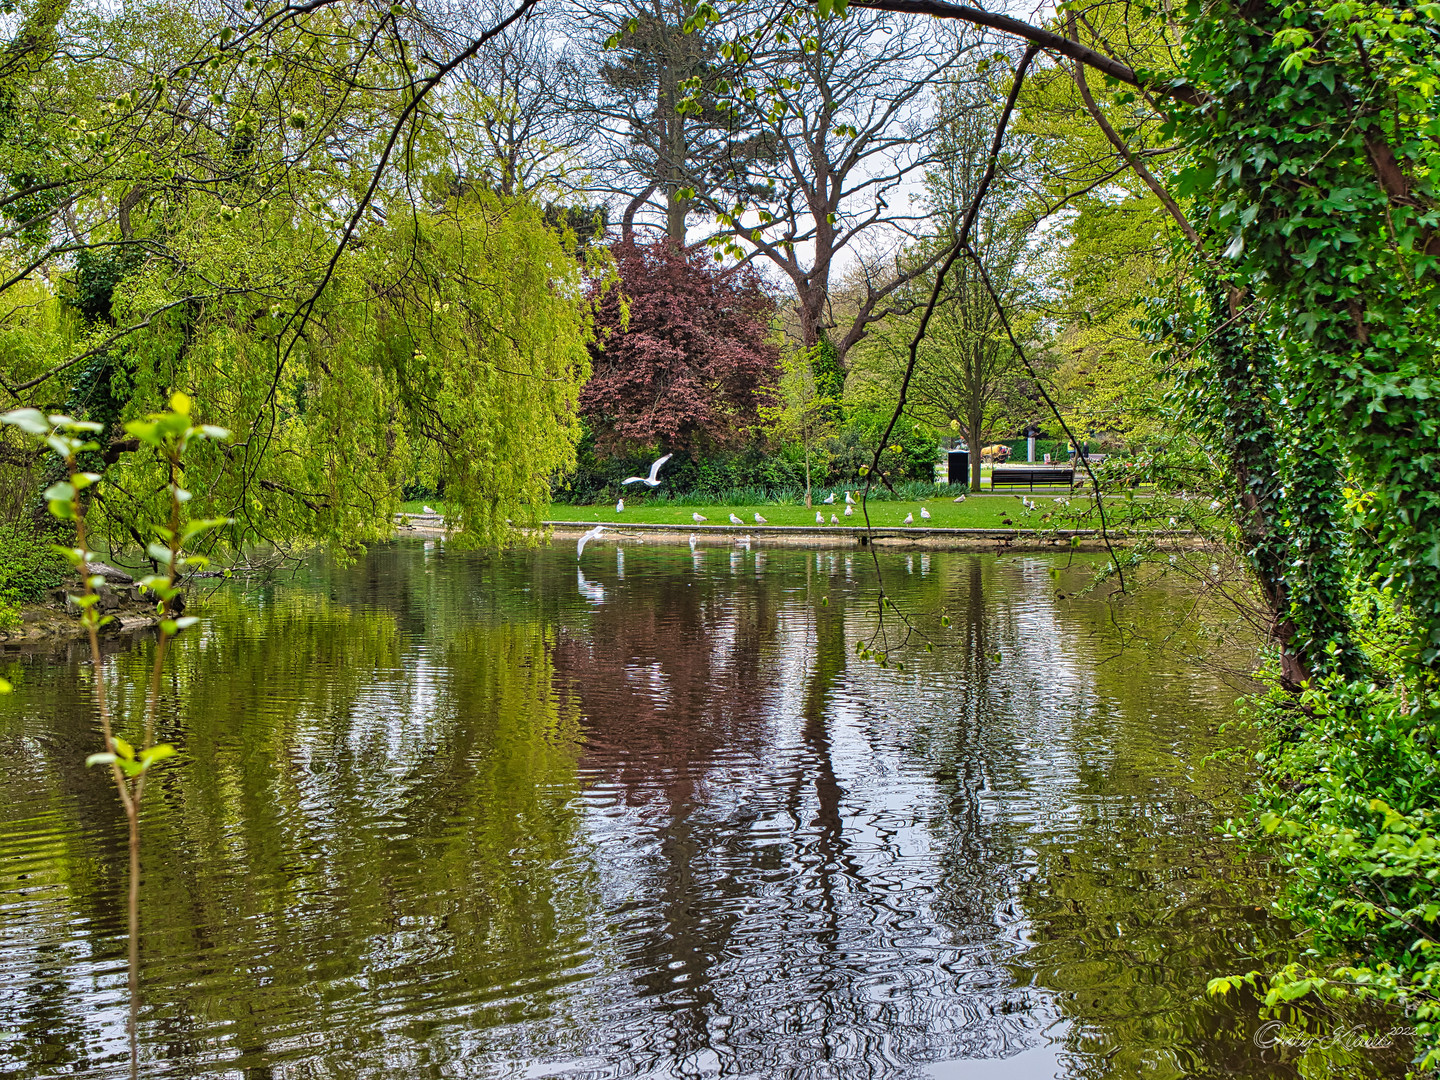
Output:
x=30 y=421
x=158 y=752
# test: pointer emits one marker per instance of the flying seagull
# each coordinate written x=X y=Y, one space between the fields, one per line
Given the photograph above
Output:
x=760 y=520
x=830 y=498
x=697 y=518
x=591 y=535
x=651 y=480
x=909 y=520
x=735 y=520
x=620 y=506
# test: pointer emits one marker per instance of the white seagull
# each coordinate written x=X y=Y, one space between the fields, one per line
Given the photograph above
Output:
x=836 y=521
x=591 y=535
x=428 y=510
x=760 y=520
x=830 y=498
x=959 y=499
x=735 y=520
x=697 y=518
x=909 y=520
x=620 y=506
x=924 y=514
x=848 y=499
x=849 y=510
x=819 y=518
x=651 y=480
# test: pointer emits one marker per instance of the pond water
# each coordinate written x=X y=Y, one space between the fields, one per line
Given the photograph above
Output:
x=447 y=814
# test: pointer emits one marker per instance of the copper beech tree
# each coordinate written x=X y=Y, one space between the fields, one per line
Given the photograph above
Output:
x=687 y=368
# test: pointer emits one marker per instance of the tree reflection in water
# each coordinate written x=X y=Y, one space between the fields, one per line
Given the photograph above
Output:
x=465 y=815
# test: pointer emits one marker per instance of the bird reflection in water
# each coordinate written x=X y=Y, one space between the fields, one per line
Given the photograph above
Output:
x=592 y=591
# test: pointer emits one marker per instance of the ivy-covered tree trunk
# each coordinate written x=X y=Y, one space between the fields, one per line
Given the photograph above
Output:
x=1317 y=547
x=1314 y=151
x=1286 y=490
x=829 y=375
x=1235 y=396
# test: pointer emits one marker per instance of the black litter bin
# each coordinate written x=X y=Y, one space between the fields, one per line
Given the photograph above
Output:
x=959 y=467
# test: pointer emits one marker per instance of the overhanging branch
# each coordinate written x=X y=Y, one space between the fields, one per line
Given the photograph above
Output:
x=1046 y=39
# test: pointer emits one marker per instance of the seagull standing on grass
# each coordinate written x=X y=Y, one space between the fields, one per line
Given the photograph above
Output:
x=830 y=498
x=959 y=499
x=735 y=520
x=819 y=518
x=428 y=510
x=760 y=520
x=836 y=521
x=653 y=479
x=909 y=520
x=924 y=514
x=848 y=499
x=697 y=518
x=591 y=535
x=620 y=506
x=849 y=511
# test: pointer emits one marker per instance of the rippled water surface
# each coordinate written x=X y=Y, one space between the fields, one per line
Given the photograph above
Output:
x=447 y=814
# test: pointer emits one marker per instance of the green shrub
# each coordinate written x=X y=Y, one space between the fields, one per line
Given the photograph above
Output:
x=1351 y=794
x=29 y=567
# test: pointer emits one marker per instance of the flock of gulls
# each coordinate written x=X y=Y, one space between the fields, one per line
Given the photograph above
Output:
x=653 y=481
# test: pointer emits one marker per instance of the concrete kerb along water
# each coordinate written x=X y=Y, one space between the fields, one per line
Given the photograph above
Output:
x=828 y=535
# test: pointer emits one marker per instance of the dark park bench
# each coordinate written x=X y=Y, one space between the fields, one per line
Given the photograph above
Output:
x=1011 y=476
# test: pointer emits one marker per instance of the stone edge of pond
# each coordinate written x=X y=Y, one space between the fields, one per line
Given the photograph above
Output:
x=830 y=536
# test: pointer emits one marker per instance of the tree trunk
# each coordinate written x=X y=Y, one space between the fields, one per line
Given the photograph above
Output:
x=674 y=165
x=974 y=437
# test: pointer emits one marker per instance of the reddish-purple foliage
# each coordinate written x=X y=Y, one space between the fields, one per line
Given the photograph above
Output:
x=687 y=372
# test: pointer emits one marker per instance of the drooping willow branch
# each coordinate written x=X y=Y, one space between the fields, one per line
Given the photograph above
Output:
x=961 y=244
x=1049 y=401
x=971 y=213
x=293 y=330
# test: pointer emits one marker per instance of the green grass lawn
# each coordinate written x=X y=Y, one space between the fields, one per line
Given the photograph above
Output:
x=974 y=513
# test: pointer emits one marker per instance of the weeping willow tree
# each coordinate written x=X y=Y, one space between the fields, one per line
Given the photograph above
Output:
x=451 y=345
x=278 y=213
